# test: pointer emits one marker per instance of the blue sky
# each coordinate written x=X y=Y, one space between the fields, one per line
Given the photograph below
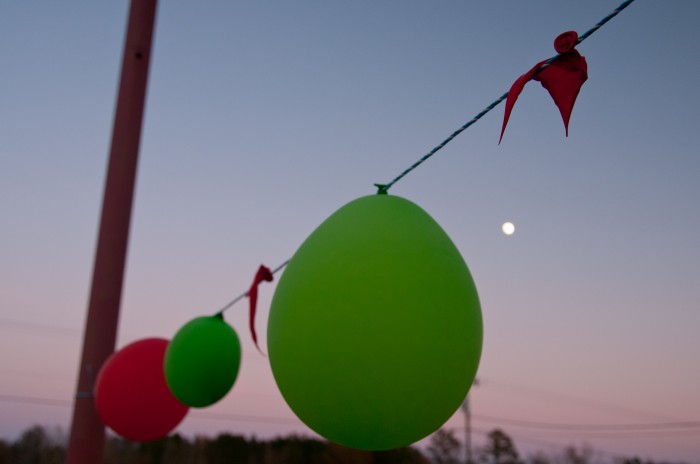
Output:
x=264 y=118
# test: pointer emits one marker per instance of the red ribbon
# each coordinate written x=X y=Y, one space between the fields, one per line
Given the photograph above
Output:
x=562 y=78
x=263 y=274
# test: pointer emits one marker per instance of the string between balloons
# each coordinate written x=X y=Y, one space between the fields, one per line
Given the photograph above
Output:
x=384 y=188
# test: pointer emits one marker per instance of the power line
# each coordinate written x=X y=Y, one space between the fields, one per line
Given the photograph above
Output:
x=34 y=400
x=642 y=434
x=15 y=324
x=627 y=427
x=518 y=438
x=40 y=401
x=55 y=402
x=601 y=406
x=546 y=443
x=245 y=418
x=595 y=448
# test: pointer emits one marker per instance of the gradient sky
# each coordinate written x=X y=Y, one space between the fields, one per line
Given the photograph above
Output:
x=265 y=117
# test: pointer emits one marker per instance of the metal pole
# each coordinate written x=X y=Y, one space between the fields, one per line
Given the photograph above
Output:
x=87 y=433
x=467 y=431
x=468 y=426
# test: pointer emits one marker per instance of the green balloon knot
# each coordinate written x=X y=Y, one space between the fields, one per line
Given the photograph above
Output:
x=382 y=189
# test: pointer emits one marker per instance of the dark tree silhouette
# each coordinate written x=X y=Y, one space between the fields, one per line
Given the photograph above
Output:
x=444 y=447
x=574 y=456
x=297 y=450
x=499 y=449
x=539 y=458
x=228 y=448
x=4 y=452
x=36 y=446
x=405 y=455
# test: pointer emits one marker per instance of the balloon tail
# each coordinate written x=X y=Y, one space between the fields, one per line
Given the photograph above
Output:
x=263 y=274
x=562 y=76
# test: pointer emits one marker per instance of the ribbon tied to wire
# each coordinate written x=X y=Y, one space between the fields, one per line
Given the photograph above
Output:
x=562 y=76
x=263 y=274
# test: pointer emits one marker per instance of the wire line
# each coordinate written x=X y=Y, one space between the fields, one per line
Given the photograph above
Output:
x=39 y=401
x=34 y=400
x=384 y=188
x=245 y=294
x=626 y=427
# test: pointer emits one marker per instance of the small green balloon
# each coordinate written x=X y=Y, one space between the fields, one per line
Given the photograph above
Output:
x=375 y=328
x=202 y=361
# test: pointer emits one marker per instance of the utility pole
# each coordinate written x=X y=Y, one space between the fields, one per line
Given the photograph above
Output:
x=468 y=427
x=87 y=433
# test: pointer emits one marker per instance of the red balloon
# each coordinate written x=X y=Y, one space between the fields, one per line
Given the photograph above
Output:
x=131 y=395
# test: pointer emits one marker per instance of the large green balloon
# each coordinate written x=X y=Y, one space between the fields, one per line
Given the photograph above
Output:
x=202 y=361
x=375 y=330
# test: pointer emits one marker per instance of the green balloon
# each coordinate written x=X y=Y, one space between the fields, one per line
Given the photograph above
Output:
x=202 y=361
x=375 y=329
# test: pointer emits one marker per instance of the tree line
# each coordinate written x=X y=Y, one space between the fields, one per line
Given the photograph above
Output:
x=39 y=445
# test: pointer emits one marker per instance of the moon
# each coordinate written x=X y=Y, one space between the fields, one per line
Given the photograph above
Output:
x=508 y=228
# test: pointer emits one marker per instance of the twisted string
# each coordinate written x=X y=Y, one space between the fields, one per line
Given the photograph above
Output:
x=384 y=188
x=617 y=10
x=220 y=313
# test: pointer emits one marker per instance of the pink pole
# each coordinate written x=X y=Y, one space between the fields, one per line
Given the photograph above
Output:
x=87 y=433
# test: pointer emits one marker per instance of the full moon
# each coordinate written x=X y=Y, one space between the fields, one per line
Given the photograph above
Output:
x=508 y=228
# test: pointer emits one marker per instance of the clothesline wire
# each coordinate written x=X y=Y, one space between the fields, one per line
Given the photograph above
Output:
x=245 y=294
x=384 y=188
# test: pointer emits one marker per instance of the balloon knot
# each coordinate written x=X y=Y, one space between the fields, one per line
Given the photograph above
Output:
x=565 y=41
x=382 y=189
